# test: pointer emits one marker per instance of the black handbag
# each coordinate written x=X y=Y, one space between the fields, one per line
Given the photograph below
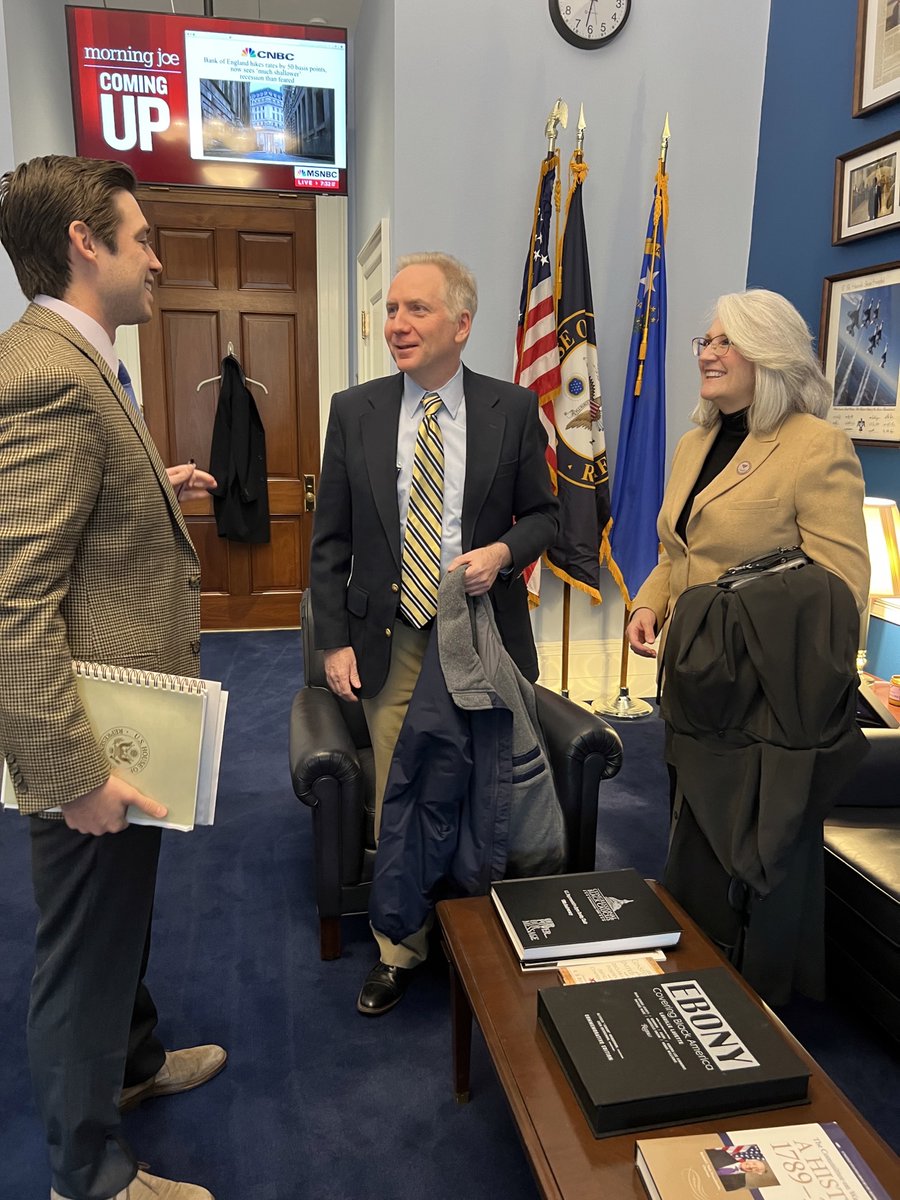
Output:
x=785 y=558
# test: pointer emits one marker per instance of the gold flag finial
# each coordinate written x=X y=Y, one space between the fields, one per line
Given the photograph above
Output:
x=559 y=115
x=664 y=143
x=579 y=143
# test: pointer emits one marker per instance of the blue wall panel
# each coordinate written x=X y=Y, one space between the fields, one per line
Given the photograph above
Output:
x=805 y=124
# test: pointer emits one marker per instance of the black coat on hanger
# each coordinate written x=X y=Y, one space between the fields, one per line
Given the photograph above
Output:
x=237 y=458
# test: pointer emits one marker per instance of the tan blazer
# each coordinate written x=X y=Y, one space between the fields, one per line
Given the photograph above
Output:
x=95 y=557
x=801 y=485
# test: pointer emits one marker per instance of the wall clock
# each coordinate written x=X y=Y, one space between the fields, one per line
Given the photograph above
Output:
x=589 y=24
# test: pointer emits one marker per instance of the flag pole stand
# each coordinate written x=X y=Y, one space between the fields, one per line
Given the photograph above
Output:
x=623 y=706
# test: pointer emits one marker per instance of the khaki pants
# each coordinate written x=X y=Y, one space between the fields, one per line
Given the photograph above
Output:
x=384 y=716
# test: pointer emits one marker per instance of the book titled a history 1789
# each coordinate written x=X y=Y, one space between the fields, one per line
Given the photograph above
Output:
x=552 y=917
x=667 y=1049
x=786 y=1162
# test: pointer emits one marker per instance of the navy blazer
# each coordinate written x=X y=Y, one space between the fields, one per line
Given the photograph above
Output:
x=355 y=557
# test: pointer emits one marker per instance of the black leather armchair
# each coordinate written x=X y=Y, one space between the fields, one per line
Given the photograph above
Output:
x=333 y=773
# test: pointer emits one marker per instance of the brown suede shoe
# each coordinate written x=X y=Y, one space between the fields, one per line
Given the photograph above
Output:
x=182 y=1071
x=149 y=1187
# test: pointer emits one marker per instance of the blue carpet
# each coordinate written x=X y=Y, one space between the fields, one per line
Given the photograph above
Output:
x=316 y=1101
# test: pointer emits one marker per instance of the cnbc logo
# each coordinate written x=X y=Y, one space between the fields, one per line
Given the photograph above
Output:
x=273 y=55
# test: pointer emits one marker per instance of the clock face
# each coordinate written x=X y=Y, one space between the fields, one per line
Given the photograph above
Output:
x=589 y=23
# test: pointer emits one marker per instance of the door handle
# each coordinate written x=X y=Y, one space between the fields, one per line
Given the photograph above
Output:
x=309 y=493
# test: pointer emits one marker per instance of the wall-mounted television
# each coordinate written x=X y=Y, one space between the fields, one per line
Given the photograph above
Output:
x=211 y=102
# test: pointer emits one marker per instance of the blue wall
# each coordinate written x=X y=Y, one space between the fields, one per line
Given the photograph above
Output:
x=806 y=123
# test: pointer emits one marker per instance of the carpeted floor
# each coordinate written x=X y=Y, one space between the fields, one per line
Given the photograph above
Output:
x=316 y=1101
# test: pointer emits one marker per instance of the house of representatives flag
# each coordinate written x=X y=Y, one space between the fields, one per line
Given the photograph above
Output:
x=537 y=356
x=641 y=454
x=581 y=472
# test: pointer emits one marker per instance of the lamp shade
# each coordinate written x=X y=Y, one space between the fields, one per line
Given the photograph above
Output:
x=883 y=536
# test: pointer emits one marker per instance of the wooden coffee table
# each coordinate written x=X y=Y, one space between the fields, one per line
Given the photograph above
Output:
x=567 y=1160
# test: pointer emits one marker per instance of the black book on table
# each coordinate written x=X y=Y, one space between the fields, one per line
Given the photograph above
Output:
x=550 y=917
x=663 y=1050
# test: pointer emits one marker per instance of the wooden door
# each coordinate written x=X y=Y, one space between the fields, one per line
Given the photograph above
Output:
x=239 y=269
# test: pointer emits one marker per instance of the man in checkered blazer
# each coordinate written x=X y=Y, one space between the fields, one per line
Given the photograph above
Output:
x=95 y=563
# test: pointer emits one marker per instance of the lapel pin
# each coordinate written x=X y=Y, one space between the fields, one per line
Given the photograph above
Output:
x=743 y=467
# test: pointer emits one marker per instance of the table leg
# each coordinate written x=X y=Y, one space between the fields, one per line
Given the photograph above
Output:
x=461 y=1029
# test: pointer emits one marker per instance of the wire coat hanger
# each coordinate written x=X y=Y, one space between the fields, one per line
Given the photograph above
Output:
x=215 y=378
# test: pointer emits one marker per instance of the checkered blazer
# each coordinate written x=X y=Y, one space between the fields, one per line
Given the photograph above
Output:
x=95 y=558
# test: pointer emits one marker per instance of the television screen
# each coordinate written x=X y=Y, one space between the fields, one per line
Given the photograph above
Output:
x=209 y=101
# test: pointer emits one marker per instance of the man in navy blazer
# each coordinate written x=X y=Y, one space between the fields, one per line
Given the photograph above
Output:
x=499 y=515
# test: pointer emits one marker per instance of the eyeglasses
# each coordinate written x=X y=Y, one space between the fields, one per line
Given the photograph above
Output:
x=718 y=345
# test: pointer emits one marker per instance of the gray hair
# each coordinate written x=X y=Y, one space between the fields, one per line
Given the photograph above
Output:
x=460 y=288
x=770 y=333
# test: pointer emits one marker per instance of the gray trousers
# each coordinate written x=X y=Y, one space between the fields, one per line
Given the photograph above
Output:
x=91 y=1020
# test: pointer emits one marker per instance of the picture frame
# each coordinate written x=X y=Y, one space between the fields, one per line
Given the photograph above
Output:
x=876 y=77
x=867 y=189
x=859 y=345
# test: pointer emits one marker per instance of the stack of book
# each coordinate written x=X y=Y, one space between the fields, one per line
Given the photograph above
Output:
x=556 y=917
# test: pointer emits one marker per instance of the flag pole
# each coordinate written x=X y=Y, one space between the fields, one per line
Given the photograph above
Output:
x=567 y=587
x=567 y=602
x=624 y=705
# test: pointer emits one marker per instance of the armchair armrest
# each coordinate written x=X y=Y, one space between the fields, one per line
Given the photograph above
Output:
x=321 y=748
x=328 y=777
x=583 y=751
x=874 y=782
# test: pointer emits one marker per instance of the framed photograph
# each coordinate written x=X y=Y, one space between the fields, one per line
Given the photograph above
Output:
x=876 y=80
x=866 y=198
x=859 y=341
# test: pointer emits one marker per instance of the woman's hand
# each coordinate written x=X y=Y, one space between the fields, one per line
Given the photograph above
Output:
x=641 y=632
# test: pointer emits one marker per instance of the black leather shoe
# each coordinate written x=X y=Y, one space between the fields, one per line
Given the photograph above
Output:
x=384 y=987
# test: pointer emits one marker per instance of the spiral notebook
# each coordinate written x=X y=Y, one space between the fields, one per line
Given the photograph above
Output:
x=160 y=733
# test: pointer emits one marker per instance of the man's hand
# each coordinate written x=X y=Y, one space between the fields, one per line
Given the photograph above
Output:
x=641 y=632
x=483 y=566
x=341 y=673
x=189 y=482
x=103 y=809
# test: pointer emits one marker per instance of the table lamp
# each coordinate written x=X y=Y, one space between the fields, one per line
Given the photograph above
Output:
x=883 y=538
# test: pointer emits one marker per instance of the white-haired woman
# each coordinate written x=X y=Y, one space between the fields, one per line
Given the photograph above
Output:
x=762 y=470
x=760 y=719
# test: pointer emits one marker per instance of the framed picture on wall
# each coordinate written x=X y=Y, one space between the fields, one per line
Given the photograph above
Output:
x=866 y=198
x=876 y=80
x=859 y=341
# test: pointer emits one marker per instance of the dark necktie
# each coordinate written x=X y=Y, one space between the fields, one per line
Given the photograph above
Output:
x=125 y=380
x=421 y=564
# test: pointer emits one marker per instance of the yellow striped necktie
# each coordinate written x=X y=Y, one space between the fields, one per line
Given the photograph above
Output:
x=421 y=565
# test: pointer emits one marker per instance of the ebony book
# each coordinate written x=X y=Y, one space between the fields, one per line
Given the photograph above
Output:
x=667 y=1049
x=550 y=917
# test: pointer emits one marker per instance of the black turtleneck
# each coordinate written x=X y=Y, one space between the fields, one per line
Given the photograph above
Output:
x=732 y=432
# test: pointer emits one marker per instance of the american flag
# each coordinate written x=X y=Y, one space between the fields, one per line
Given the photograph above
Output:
x=537 y=354
x=743 y=1153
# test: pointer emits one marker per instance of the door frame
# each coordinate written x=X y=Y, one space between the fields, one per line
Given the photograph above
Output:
x=373 y=279
x=332 y=298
